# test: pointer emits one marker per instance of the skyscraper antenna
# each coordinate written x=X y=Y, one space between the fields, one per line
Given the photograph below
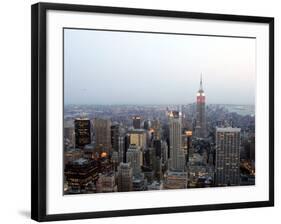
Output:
x=201 y=86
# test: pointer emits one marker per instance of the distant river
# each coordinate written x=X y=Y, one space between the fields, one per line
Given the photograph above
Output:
x=241 y=109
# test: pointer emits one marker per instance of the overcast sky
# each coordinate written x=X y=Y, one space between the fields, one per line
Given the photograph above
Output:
x=105 y=67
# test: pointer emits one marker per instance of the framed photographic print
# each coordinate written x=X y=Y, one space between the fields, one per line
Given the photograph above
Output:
x=140 y=111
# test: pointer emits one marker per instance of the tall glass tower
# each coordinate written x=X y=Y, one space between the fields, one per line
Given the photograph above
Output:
x=227 y=156
x=175 y=136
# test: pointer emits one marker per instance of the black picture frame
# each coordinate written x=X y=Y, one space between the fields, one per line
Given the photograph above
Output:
x=39 y=107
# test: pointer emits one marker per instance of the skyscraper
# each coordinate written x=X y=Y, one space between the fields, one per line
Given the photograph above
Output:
x=121 y=148
x=134 y=156
x=114 y=134
x=139 y=138
x=126 y=146
x=106 y=183
x=227 y=156
x=80 y=173
x=175 y=137
x=175 y=180
x=156 y=129
x=69 y=133
x=200 y=128
x=146 y=124
x=82 y=132
x=157 y=160
x=102 y=134
x=125 y=177
x=136 y=122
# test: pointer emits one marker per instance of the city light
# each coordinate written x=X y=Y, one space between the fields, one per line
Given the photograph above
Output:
x=103 y=154
x=188 y=133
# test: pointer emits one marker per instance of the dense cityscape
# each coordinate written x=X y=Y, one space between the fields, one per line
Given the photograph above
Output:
x=122 y=148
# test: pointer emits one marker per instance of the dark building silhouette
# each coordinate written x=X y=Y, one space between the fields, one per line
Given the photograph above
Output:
x=114 y=134
x=82 y=132
x=136 y=122
x=126 y=146
x=157 y=146
x=80 y=174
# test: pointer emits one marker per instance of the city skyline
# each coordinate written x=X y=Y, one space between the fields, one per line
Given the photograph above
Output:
x=126 y=152
x=122 y=148
x=157 y=69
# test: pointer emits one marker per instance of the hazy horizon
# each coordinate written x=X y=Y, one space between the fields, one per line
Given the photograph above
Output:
x=125 y=68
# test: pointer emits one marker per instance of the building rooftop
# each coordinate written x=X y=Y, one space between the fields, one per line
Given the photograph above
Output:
x=176 y=173
x=89 y=147
x=72 y=150
x=155 y=184
x=137 y=131
x=136 y=117
x=175 y=114
x=82 y=118
x=133 y=147
x=109 y=174
x=228 y=129
x=125 y=165
x=80 y=161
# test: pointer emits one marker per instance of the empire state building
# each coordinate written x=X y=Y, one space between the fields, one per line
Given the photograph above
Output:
x=200 y=128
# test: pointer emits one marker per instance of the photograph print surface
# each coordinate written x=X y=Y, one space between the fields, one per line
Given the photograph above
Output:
x=157 y=111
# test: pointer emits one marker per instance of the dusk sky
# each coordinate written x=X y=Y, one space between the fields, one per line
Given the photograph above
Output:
x=105 y=67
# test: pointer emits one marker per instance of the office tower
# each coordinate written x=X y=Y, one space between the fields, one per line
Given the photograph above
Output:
x=200 y=127
x=106 y=183
x=252 y=149
x=139 y=183
x=155 y=185
x=115 y=160
x=102 y=134
x=156 y=129
x=136 y=122
x=82 y=132
x=227 y=156
x=72 y=154
x=121 y=148
x=150 y=157
x=105 y=164
x=157 y=161
x=153 y=162
x=89 y=151
x=146 y=158
x=157 y=146
x=164 y=149
x=146 y=124
x=69 y=134
x=126 y=146
x=114 y=134
x=135 y=157
x=175 y=180
x=148 y=174
x=138 y=138
x=79 y=174
x=125 y=177
x=177 y=160
x=188 y=144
